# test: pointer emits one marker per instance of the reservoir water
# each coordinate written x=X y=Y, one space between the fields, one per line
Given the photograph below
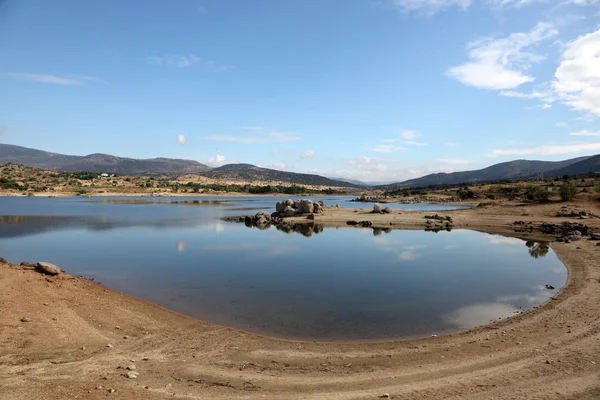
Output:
x=326 y=284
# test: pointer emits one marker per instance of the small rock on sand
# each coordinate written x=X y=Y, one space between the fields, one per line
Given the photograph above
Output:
x=132 y=375
x=25 y=319
x=48 y=268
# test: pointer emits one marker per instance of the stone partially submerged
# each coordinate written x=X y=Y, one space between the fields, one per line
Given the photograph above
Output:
x=48 y=268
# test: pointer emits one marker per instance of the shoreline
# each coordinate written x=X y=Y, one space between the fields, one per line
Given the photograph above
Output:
x=550 y=351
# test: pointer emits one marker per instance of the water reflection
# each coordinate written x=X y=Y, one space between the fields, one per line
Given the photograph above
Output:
x=16 y=226
x=538 y=249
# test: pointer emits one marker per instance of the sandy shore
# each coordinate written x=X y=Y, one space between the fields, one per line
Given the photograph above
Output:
x=551 y=352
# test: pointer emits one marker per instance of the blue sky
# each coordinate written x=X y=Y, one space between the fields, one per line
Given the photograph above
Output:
x=380 y=90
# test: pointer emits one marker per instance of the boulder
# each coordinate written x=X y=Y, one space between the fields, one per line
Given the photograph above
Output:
x=305 y=206
x=311 y=216
x=3 y=260
x=280 y=206
x=595 y=236
x=48 y=268
x=289 y=203
x=377 y=208
x=388 y=210
x=317 y=208
x=289 y=212
x=263 y=215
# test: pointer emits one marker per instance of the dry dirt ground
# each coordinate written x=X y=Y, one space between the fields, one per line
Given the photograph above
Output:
x=551 y=352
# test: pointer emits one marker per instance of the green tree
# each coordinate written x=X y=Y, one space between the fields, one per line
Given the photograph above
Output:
x=567 y=191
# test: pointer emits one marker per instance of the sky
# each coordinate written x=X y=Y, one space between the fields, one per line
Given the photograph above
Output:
x=375 y=90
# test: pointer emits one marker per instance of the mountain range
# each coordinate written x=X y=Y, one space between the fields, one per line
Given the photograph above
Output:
x=518 y=169
x=154 y=167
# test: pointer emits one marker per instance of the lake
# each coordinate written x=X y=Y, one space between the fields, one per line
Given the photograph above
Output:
x=323 y=284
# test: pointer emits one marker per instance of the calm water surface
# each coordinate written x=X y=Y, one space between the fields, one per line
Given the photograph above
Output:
x=322 y=284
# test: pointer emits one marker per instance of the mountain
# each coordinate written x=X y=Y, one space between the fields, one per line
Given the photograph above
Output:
x=591 y=164
x=507 y=170
x=97 y=162
x=156 y=166
x=352 y=181
x=250 y=173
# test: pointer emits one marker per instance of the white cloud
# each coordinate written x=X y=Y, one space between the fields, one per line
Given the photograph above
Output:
x=367 y=161
x=54 y=79
x=259 y=135
x=307 y=154
x=454 y=161
x=577 y=78
x=409 y=135
x=174 y=60
x=428 y=6
x=186 y=60
x=279 y=165
x=543 y=92
x=217 y=161
x=513 y=3
x=415 y=143
x=561 y=124
x=585 y=132
x=546 y=106
x=386 y=148
x=546 y=150
x=501 y=63
x=181 y=139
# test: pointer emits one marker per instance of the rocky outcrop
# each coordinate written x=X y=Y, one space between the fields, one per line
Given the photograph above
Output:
x=363 y=224
x=564 y=228
x=439 y=217
x=292 y=208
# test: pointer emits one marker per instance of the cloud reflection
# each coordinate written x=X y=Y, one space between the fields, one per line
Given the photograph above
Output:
x=479 y=314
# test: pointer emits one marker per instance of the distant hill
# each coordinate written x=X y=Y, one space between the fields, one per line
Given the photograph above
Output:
x=97 y=162
x=352 y=181
x=507 y=170
x=590 y=164
x=156 y=166
x=250 y=173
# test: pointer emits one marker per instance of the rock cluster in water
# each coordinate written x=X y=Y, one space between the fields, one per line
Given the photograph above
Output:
x=285 y=209
x=440 y=222
x=292 y=208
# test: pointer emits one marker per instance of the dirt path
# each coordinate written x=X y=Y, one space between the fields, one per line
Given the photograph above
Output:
x=552 y=352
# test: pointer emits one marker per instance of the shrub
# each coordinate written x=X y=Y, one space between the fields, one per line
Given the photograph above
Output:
x=465 y=193
x=538 y=193
x=567 y=191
